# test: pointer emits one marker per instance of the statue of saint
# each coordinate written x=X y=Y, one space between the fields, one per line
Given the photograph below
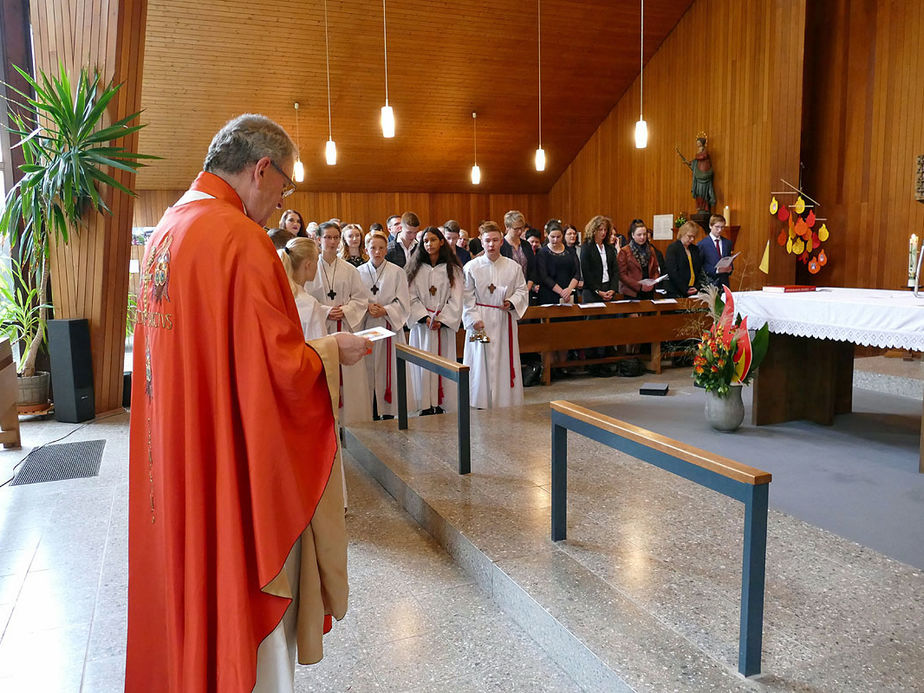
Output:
x=701 y=166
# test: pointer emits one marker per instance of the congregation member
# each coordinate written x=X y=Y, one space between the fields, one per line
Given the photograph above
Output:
x=573 y=246
x=300 y=261
x=683 y=262
x=558 y=269
x=638 y=265
x=405 y=243
x=534 y=238
x=713 y=248
x=389 y=307
x=376 y=226
x=474 y=246
x=393 y=224
x=340 y=291
x=311 y=231
x=516 y=248
x=452 y=232
x=618 y=240
x=236 y=534
x=598 y=261
x=435 y=285
x=495 y=298
x=351 y=245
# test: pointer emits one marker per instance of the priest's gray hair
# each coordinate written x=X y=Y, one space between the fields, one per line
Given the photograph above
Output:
x=246 y=139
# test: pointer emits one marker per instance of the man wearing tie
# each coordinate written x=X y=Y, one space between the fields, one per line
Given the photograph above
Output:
x=713 y=247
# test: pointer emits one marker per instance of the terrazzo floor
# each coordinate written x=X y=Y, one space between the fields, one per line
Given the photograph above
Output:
x=416 y=621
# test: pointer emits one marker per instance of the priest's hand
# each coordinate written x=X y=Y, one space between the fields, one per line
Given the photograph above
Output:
x=336 y=313
x=351 y=348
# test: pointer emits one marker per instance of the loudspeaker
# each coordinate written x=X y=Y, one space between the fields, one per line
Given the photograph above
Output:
x=71 y=370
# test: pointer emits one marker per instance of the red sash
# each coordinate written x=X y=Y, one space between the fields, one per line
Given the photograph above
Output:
x=439 y=348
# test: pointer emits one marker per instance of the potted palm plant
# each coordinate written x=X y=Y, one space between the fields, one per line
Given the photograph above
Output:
x=68 y=151
x=22 y=321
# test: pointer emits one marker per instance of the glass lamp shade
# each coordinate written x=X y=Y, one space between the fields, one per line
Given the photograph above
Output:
x=331 y=153
x=540 y=159
x=388 y=122
x=641 y=134
x=299 y=174
x=476 y=174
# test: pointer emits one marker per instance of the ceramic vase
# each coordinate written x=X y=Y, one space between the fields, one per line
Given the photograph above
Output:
x=725 y=413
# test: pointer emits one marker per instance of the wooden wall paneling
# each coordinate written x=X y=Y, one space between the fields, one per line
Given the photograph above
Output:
x=90 y=273
x=862 y=132
x=731 y=69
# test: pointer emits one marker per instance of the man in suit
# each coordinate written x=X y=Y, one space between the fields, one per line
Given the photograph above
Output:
x=400 y=249
x=713 y=247
x=393 y=224
x=451 y=230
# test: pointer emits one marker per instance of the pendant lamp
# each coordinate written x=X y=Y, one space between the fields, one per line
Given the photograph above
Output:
x=641 y=127
x=330 y=152
x=540 y=152
x=298 y=174
x=476 y=171
x=388 y=115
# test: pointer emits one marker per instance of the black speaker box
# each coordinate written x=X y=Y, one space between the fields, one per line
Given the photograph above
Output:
x=71 y=370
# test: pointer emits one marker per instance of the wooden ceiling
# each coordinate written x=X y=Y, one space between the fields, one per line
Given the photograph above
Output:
x=208 y=60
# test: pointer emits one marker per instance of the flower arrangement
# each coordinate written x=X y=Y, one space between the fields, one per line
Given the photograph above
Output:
x=727 y=354
x=680 y=220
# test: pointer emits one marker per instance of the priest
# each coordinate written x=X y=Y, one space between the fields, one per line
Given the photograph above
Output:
x=495 y=297
x=237 y=544
x=339 y=289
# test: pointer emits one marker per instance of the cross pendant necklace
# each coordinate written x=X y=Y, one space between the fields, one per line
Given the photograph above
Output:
x=331 y=294
x=433 y=291
x=374 y=278
x=491 y=287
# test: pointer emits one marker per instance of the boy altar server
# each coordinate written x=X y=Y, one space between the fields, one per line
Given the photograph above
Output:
x=495 y=297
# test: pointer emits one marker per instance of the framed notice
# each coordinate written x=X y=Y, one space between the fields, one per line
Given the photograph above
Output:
x=663 y=227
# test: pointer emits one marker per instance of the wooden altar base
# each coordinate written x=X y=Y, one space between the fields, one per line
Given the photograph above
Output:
x=643 y=595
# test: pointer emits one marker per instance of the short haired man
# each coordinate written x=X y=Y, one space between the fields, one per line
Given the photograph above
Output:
x=494 y=299
x=224 y=495
x=451 y=231
x=399 y=250
x=713 y=248
x=393 y=224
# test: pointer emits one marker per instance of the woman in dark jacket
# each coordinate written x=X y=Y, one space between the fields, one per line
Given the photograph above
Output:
x=596 y=256
x=638 y=266
x=683 y=261
x=558 y=269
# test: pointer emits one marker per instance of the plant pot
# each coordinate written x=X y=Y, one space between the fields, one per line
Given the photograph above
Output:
x=33 y=389
x=725 y=413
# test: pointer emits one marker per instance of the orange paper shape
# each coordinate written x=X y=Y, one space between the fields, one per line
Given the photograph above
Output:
x=822 y=258
x=813 y=266
x=810 y=218
x=781 y=239
x=802 y=228
x=823 y=233
x=783 y=214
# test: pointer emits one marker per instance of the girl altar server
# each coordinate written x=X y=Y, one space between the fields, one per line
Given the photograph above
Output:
x=340 y=291
x=300 y=260
x=435 y=284
x=495 y=298
x=389 y=306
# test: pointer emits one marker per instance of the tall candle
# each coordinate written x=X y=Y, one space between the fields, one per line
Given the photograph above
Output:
x=912 y=259
x=727 y=215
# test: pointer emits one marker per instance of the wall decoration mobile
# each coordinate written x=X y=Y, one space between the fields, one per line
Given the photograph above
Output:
x=798 y=233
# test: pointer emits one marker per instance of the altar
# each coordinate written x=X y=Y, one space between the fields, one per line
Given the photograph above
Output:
x=808 y=370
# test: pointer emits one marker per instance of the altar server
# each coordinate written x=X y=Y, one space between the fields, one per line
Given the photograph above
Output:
x=435 y=285
x=340 y=291
x=389 y=307
x=300 y=261
x=495 y=298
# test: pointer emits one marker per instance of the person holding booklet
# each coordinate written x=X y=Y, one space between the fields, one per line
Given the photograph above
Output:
x=389 y=307
x=495 y=298
x=716 y=251
x=639 y=272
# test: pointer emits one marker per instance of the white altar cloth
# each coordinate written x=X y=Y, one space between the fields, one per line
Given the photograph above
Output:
x=871 y=317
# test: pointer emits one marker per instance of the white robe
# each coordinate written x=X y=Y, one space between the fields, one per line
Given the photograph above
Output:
x=390 y=282
x=311 y=315
x=341 y=277
x=494 y=364
x=445 y=305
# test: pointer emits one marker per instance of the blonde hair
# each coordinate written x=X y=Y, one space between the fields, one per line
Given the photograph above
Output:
x=296 y=253
x=378 y=233
x=345 y=249
x=688 y=227
x=488 y=226
x=512 y=217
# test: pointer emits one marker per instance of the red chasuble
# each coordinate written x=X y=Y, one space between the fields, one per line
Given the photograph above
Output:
x=232 y=444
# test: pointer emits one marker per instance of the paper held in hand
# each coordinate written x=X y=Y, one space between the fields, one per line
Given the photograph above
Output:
x=374 y=334
x=725 y=262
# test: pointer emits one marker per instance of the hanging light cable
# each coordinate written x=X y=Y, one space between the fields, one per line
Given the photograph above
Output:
x=540 y=152
x=331 y=149
x=641 y=127
x=388 y=115
x=299 y=173
x=476 y=171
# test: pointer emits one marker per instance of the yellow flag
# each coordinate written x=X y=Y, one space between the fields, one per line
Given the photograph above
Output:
x=764 y=265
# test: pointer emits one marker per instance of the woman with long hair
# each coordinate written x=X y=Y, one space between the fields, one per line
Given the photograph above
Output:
x=435 y=284
x=351 y=245
x=638 y=265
